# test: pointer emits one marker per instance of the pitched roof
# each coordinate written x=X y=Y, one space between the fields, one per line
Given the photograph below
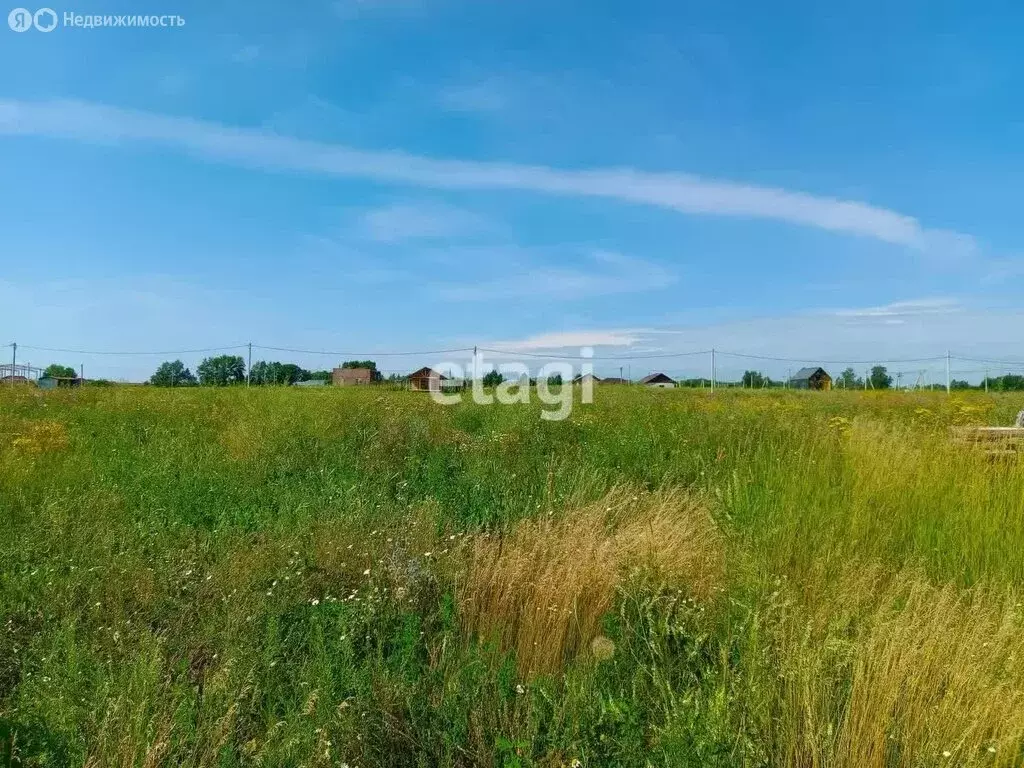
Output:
x=657 y=378
x=806 y=373
x=426 y=372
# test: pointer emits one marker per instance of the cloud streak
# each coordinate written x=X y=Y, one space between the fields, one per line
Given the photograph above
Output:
x=99 y=124
x=602 y=274
x=419 y=221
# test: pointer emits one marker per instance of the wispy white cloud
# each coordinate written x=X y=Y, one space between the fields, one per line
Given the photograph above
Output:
x=87 y=122
x=569 y=339
x=602 y=274
x=928 y=306
x=419 y=221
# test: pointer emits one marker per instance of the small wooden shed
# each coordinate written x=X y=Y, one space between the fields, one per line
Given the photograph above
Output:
x=811 y=378
x=53 y=382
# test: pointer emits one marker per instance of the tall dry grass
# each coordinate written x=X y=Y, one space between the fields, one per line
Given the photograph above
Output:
x=887 y=669
x=542 y=589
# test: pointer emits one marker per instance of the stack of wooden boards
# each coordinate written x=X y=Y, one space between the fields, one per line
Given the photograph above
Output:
x=997 y=442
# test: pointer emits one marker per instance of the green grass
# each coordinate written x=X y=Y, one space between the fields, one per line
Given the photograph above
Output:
x=184 y=581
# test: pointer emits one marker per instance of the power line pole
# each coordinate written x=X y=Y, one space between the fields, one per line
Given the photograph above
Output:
x=986 y=381
x=14 y=359
x=248 y=367
x=947 y=372
x=712 y=369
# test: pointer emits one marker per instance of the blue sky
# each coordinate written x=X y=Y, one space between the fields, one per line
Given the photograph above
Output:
x=810 y=182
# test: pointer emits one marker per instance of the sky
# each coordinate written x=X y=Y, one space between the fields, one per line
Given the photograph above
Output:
x=813 y=182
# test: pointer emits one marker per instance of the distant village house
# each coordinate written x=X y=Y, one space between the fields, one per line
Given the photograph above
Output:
x=427 y=380
x=53 y=382
x=658 y=380
x=347 y=377
x=811 y=378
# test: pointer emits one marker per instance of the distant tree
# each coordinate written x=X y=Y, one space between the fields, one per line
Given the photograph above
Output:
x=172 y=374
x=259 y=373
x=959 y=384
x=880 y=378
x=492 y=379
x=754 y=379
x=317 y=376
x=556 y=379
x=263 y=372
x=60 y=371
x=375 y=375
x=221 y=370
x=848 y=379
x=1011 y=382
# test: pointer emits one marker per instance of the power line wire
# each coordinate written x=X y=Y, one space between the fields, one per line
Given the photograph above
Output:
x=576 y=357
x=105 y=352
x=829 y=362
x=361 y=354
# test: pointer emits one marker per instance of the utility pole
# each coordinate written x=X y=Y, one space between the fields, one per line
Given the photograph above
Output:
x=947 y=372
x=620 y=374
x=867 y=379
x=712 y=369
x=81 y=371
x=248 y=367
x=986 y=381
x=14 y=359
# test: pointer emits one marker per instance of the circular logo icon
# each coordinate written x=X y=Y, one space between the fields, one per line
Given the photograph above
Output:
x=20 y=19
x=45 y=20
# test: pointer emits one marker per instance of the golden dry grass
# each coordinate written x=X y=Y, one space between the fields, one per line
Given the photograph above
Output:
x=890 y=670
x=542 y=589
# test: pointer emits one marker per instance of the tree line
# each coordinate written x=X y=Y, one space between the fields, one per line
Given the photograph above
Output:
x=227 y=370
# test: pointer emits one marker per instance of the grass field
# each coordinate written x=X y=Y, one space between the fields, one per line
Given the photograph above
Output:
x=668 y=578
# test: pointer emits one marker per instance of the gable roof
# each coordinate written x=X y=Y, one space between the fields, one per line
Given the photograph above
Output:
x=590 y=376
x=804 y=374
x=657 y=378
x=426 y=372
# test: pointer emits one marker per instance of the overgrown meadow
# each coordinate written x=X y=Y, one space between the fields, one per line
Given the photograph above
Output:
x=228 y=577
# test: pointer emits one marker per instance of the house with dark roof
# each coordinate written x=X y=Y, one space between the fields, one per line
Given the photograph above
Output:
x=811 y=378
x=658 y=380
